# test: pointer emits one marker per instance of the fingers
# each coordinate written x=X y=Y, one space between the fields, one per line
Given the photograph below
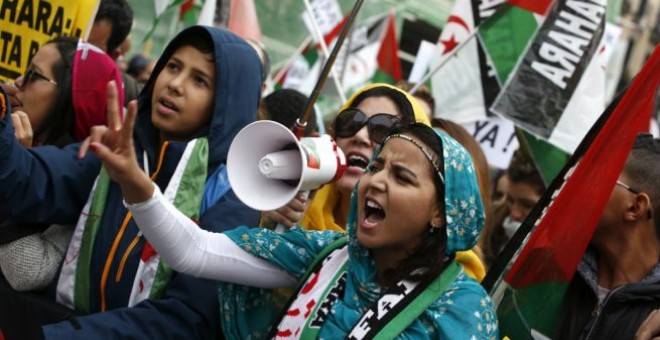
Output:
x=288 y=220
x=95 y=135
x=112 y=108
x=129 y=122
x=25 y=121
x=298 y=204
x=103 y=152
x=11 y=90
x=22 y=128
x=650 y=328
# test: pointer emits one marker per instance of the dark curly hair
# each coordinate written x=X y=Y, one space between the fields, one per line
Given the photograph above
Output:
x=430 y=253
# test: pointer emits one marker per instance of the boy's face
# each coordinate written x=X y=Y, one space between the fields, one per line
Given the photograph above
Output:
x=183 y=94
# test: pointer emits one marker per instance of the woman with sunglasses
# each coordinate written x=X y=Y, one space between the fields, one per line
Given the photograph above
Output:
x=359 y=128
x=59 y=98
x=393 y=275
x=361 y=125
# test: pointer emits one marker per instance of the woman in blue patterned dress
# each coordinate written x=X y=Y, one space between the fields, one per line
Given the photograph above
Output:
x=393 y=277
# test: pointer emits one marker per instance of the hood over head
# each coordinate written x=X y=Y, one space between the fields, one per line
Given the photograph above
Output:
x=92 y=70
x=237 y=92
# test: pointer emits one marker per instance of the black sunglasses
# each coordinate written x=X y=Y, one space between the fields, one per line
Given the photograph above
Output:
x=350 y=121
x=30 y=75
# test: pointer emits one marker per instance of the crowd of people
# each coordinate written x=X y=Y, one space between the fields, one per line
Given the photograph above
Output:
x=118 y=219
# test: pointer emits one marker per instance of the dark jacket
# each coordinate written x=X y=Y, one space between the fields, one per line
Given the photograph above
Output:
x=49 y=185
x=619 y=315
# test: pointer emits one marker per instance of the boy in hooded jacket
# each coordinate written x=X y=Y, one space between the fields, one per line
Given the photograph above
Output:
x=203 y=90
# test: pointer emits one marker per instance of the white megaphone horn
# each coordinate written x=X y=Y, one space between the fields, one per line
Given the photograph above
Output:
x=267 y=165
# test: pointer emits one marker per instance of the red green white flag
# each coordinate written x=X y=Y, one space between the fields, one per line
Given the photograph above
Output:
x=389 y=65
x=557 y=90
x=528 y=283
x=490 y=36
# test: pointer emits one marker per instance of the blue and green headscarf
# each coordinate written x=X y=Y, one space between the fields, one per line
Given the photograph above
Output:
x=463 y=311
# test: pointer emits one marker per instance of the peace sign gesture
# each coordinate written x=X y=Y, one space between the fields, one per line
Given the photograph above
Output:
x=113 y=144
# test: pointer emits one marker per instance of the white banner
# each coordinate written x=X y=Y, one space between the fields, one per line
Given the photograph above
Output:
x=497 y=138
x=327 y=14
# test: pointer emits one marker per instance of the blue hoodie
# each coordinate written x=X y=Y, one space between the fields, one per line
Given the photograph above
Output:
x=49 y=185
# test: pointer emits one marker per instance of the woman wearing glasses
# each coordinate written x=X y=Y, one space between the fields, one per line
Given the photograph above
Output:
x=361 y=125
x=358 y=129
x=60 y=97
x=62 y=94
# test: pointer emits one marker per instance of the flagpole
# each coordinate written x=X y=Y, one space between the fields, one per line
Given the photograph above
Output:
x=299 y=127
x=324 y=48
x=280 y=73
x=444 y=61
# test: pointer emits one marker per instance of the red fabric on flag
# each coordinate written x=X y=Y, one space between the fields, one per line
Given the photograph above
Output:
x=187 y=5
x=388 y=57
x=243 y=20
x=556 y=246
x=537 y=6
x=329 y=37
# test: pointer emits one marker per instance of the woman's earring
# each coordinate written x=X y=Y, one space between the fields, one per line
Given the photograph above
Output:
x=432 y=229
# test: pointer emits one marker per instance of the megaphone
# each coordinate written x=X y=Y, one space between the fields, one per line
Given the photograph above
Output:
x=267 y=165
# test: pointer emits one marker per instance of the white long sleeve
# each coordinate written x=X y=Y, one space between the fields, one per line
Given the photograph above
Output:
x=189 y=249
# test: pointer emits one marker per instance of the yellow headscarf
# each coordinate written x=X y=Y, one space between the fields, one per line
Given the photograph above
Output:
x=320 y=214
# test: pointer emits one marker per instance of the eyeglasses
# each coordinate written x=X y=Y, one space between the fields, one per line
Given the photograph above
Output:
x=30 y=75
x=350 y=121
x=627 y=187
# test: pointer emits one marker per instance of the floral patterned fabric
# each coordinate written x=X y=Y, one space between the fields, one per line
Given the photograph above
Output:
x=463 y=206
x=464 y=311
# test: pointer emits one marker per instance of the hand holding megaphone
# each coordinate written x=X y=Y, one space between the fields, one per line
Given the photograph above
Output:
x=289 y=215
x=267 y=165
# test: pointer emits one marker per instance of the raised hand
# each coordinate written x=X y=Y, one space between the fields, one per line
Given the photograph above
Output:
x=22 y=128
x=114 y=146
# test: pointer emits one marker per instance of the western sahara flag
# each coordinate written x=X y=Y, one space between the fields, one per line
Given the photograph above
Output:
x=558 y=89
x=305 y=65
x=467 y=85
x=529 y=289
x=389 y=65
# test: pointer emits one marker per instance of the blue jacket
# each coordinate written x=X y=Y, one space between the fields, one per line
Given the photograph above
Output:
x=50 y=185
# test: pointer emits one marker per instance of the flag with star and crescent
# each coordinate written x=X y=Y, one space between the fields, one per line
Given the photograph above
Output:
x=468 y=83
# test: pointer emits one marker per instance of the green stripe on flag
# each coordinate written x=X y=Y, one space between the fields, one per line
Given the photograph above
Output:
x=549 y=159
x=82 y=285
x=523 y=309
x=188 y=199
x=506 y=35
x=311 y=55
x=381 y=77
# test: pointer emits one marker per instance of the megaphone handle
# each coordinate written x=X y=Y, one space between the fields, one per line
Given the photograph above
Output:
x=281 y=228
